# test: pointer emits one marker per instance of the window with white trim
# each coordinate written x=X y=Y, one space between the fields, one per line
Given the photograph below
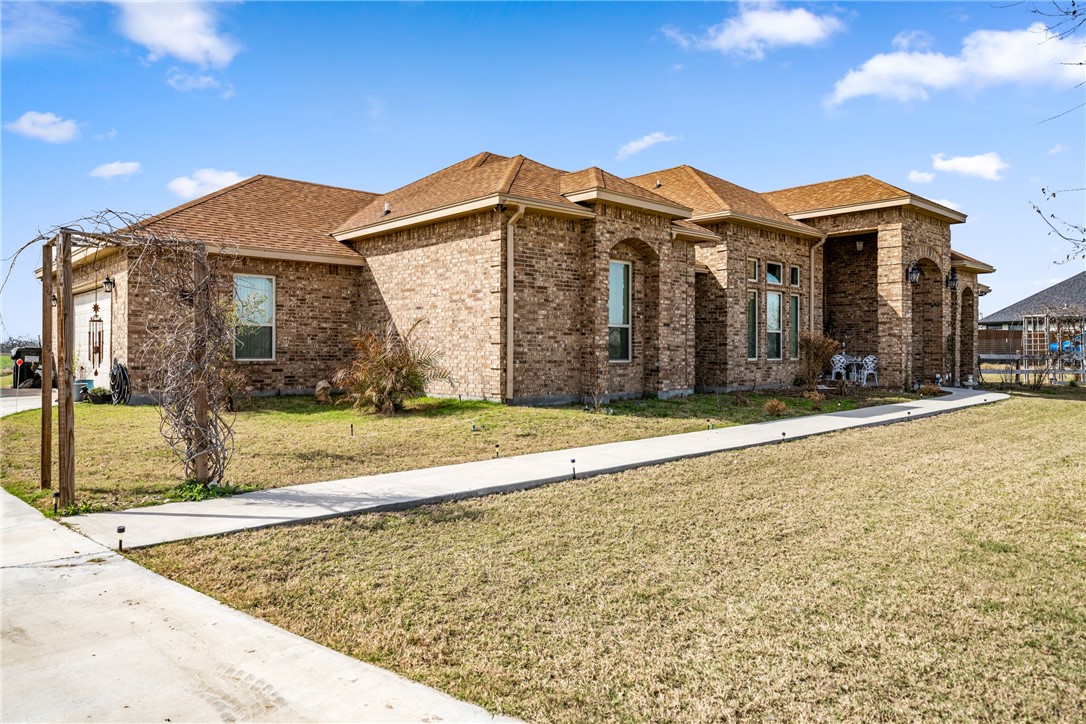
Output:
x=774 y=272
x=752 y=324
x=254 y=304
x=618 y=312
x=752 y=270
x=793 y=274
x=793 y=327
x=773 y=330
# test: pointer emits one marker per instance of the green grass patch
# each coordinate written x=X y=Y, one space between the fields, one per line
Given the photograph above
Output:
x=122 y=461
x=928 y=571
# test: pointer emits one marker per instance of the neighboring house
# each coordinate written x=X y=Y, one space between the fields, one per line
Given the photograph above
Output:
x=1029 y=327
x=539 y=285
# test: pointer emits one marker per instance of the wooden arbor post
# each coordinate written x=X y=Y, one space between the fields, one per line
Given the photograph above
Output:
x=65 y=378
x=201 y=300
x=47 y=366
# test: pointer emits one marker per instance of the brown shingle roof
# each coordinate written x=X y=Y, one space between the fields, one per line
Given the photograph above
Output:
x=956 y=255
x=482 y=175
x=708 y=194
x=267 y=212
x=832 y=194
x=597 y=178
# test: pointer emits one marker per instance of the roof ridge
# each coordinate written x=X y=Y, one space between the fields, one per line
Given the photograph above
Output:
x=511 y=173
x=834 y=180
x=887 y=185
x=697 y=174
x=314 y=183
x=197 y=201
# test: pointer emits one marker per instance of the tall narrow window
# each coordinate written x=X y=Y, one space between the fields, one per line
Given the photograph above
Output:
x=618 y=312
x=254 y=298
x=793 y=273
x=793 y=328
x=773 y=325
x=752 y=325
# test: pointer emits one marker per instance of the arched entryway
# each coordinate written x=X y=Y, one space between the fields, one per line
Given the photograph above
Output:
x=633 y=311
x=967 y=334
x=927 y=324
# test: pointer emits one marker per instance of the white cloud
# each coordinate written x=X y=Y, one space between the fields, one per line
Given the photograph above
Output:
x=921 y=177
x=985 y=165
x=988 y=58
x=45 y=127
x=117 y=168
x=184 y=30
x=913 y=40
x=640 y=144
x=1057 y=149
x=758 y=27
x=947 y=203
x=186 y=82
x=203 y=181
x=107 y=136
x=28 y=26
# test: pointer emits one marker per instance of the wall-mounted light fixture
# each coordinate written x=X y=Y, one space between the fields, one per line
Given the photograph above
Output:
x=54 y=300
x=859 y=245
x=952 y=280
x=108 y=284
x=912 y=273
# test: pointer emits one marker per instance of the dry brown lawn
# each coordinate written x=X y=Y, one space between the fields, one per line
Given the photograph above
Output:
x=122 y=462
x=927 y=570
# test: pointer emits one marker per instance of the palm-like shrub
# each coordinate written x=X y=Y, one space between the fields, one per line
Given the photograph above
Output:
x=388 y=368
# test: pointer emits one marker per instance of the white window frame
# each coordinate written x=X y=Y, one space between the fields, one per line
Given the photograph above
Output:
x=628 y=326
x=752 y=317
x=780 y=321
x=798 y=275
x=780 y=277
x=274 y=316
x=795 y=315
x=752 y=276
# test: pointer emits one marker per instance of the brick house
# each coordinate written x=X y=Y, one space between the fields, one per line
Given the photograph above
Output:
x=540 y=285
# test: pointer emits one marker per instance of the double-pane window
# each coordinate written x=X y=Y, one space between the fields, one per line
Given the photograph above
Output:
x=773 y=328
x=774 y=273
x=793 y=328
x=618 y=312
x=752 y=325
x=254 y=299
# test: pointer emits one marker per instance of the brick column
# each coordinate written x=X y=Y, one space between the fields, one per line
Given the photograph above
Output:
x=894 y=307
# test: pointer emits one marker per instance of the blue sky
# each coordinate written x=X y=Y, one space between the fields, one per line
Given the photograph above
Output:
x=139 y=107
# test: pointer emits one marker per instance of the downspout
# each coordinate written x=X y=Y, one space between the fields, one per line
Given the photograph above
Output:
x=811 y=294
x=509 y=267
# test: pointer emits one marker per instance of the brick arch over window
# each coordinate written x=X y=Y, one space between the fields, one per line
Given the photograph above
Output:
x=641 y=373
x=927 y=324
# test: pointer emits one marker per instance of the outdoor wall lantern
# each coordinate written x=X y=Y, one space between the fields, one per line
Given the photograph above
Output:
x=952 y=280
x=859 y=245
x=108 y=283
x=54 y=300
x=912 y=273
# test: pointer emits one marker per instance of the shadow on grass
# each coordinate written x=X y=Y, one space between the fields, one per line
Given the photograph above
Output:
x=424 y=407
x=1045 y=392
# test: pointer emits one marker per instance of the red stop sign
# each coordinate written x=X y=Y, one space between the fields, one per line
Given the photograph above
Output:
x=18 y=363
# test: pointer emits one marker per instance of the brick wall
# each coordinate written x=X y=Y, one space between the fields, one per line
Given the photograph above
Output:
x=722 y=305
x=851 y=293
x=450 y=275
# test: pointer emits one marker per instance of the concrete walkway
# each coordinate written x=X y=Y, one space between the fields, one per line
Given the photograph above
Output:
x=90 y=636
x=177 y=521
x=12 y=401
x=87 y=635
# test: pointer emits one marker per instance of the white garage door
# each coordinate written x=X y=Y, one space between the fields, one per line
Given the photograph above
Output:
x=84 y=309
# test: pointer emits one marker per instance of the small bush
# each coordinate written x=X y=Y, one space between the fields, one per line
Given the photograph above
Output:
x=100 y=391
x=388 y=369
x=775 y=408
x=740 y=400
x=815 y=351
x=816 y=399
x=930 y=390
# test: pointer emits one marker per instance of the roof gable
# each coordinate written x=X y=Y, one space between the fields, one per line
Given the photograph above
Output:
x=710 y=195
x=846 y=194
x=267 y=213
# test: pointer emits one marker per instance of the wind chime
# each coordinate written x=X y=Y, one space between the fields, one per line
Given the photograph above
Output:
x=96 y=331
